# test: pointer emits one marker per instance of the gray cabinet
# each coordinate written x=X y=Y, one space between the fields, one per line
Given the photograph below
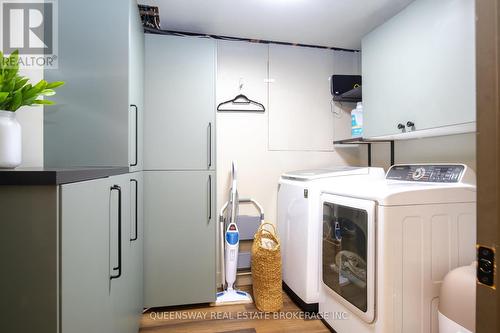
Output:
x=179 y=122
x=180 y=219
x=121 y=282
x=419 y=66
x=136 y=241
x=75 y=255
x=29 y=254
x=179 y=181
x=136 y=89
x=85 y=257
x=97 y=119
x=101 y=252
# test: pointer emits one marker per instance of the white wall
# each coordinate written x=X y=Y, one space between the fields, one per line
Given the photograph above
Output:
x=300 y=97
x=31 y=120
x=244 y=137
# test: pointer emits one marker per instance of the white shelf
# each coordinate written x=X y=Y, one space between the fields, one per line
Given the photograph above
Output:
x=431 y=132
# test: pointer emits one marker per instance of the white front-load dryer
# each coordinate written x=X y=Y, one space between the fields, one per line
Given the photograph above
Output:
x=387 y=246
x=298 y=221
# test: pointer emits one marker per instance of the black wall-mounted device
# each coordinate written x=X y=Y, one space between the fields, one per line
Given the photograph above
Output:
x=340 y=84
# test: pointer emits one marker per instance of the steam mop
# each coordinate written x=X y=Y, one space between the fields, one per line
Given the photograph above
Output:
x=231 y=248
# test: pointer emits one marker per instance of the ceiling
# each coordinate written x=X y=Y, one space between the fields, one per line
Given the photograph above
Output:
x=334 y=23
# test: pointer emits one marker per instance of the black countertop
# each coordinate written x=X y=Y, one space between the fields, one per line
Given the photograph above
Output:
x=56 y=176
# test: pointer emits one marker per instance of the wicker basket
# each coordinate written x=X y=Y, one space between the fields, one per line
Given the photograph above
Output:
x=266 y=269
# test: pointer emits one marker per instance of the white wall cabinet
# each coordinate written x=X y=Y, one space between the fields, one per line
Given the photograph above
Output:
x=419 y=66
x=97 y=119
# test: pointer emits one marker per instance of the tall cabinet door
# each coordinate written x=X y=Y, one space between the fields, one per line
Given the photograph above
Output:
x=97 y=119
x=136 y=242
x=85 y=302
x=179 y=258
x=179 y=98
x=136 y=88
x=89 y=123
x=123 y=315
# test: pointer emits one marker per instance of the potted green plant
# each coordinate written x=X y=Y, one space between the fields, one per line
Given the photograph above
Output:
x=16 y=92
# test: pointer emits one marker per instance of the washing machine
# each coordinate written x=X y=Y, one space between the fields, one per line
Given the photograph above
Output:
x=299 y=227
x=387 y=246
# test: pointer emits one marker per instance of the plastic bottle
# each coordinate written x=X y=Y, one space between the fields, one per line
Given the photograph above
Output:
x=357 y=121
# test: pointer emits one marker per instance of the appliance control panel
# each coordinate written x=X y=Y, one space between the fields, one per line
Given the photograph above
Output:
x=427 y=173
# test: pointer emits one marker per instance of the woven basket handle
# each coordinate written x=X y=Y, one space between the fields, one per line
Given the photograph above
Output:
x=261 y=228
x=272 y=233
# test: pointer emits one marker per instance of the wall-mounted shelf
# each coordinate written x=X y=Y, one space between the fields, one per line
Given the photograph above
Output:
x=354 y=95
x=455 y=129
x=368 y=142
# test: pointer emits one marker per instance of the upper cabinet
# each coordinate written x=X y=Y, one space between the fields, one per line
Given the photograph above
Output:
x=136 y=89
x=179 y=125
x=97 y=119
x=419 y=68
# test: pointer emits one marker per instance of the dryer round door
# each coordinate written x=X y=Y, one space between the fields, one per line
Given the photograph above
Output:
x=348 y=253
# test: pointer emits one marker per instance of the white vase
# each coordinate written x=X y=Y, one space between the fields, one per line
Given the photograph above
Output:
x=10 y=140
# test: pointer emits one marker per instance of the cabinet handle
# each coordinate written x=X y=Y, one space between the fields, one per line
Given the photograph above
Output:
x=401 y=126
x=136 y=134
x=119 y=267
x=136 y=209
x=209 y=198
x=410 y=124
x=209 y=145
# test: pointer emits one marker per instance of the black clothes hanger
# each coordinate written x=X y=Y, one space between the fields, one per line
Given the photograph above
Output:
x=241 y=100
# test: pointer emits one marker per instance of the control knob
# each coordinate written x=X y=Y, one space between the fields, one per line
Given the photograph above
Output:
x=418 y=174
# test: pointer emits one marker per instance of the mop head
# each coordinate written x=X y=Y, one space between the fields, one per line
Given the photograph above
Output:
x=231 y=297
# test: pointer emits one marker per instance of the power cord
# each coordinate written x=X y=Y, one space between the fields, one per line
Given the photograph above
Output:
x=337 y=112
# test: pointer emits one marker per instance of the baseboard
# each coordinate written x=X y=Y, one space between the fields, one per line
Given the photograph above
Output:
x=306 y=307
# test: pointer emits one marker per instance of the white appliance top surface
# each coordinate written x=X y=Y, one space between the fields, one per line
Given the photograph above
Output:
x=311 y=174
x=388 y=192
